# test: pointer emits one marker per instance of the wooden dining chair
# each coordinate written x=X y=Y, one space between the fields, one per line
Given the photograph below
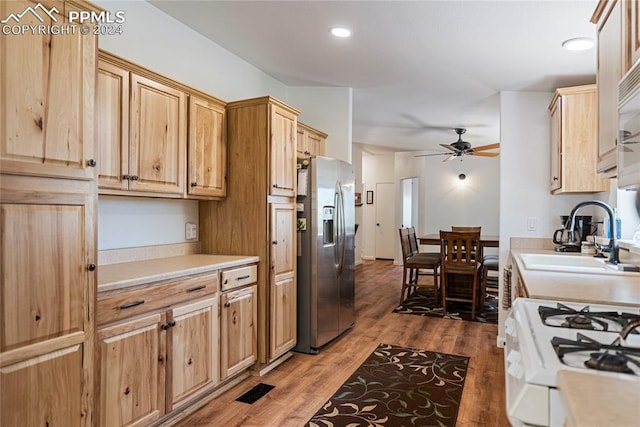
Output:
x=456 y=248
x=415 y=264
x=465 y=228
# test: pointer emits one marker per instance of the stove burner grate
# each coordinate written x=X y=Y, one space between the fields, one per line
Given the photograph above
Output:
x=585 y=318
x=603 y=357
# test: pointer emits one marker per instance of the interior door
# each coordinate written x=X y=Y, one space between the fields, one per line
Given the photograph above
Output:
x=384 y=202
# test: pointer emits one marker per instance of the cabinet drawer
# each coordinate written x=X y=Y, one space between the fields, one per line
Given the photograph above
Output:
x=237 y=277
x=126 y=303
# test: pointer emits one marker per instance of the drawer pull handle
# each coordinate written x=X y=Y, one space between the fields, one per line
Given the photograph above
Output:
x=131 y=304
x=243 y=277
x=197 y=288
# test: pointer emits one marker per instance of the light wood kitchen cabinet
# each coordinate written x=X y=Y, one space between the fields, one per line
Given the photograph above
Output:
x=141 y=131
x=207 y=148
x=283 y=150
x=283 y=284
x=238 y=330
x=611 y=65
x=48 y=83
x=259 y=131
x=311 y=142
x=633 y=32
x=158 y=348
x=574 y=154
x=47 y=222
x=132 y=357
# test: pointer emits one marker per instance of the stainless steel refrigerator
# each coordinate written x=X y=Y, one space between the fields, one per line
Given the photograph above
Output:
x=326 y=229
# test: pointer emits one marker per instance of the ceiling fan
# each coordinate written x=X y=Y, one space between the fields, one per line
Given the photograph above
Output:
x=462 y=148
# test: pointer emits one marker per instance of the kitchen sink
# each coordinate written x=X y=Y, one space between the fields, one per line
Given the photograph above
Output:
x=570 y=264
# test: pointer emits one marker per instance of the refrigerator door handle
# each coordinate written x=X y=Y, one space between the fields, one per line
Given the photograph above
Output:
x=341 y=229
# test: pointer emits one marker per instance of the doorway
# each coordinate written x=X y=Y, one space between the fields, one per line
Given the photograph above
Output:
x=409 y=205
x=386 y=235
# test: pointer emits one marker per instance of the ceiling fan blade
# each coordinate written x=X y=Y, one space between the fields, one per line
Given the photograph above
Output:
x=483 y=154
x=432 y=154
x=449 y=147
x=451 y=157
x=487 y=147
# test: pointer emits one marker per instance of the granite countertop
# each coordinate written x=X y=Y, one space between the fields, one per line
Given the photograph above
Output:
x=594 y=400
x=123 y=275
x=620 y=289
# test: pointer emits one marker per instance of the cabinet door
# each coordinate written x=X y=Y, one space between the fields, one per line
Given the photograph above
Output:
x=45 y=282
x=158 y=137
x=556 y=145
x=193 y=345
x=283 y=152
x=207 y=149
x=47 y=85
x=315 y=144
x=610 y=65
x=633 y=29
x=131 y=358
x=301 y=144
x=282 y=289
x=43 y=391
x=112 y=123
x=238 y=330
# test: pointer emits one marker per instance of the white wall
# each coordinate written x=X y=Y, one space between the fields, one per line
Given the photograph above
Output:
x=357 y=170
x=159 y=42
x=334 y=118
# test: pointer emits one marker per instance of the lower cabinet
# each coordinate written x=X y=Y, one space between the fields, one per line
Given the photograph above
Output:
x=152 y=364
x=238 y=336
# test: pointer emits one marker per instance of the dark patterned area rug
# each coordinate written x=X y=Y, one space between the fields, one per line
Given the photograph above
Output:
x=398 y=386
x=422 y=303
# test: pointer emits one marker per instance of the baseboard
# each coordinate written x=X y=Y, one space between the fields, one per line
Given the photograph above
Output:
x=279 y=361
x=369 y=258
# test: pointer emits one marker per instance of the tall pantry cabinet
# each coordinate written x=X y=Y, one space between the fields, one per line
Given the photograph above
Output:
x=258 y=216
x=47 y=222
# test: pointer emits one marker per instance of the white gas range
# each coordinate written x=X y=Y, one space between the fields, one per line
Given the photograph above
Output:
x=543 y=337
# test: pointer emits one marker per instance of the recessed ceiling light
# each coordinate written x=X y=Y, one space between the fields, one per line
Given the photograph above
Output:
x=578 y=43
x=340 y=32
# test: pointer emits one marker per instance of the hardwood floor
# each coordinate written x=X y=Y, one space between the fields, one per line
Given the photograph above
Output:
x=305 y=382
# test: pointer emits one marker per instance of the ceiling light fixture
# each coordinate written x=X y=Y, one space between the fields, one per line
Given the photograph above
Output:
x=340 y=32
x=462 y=177
x=578 y=43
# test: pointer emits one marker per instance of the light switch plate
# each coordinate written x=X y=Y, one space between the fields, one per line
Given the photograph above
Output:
x=191 y=231
x=532 y=223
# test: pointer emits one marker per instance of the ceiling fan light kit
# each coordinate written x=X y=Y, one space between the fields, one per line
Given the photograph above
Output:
x=462 y=148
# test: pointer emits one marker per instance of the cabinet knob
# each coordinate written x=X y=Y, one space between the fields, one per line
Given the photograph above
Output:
x=91 y=267
x=275 y=242
x=127 y=390
x=126 y=177
x=555 y=178
x=194 y=184
x=227 y=305
x=172 y=323
x=91 y=162
x=190 y=362
x=165 y=326
x=134 y=178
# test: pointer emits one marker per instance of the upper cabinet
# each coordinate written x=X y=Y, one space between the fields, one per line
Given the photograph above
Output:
x=311 y=142
x=283 y=150
x=46 y=80
x=150 y=144
x=633 y=32
x=573 y=146
x=610 y=67
x=207 y=155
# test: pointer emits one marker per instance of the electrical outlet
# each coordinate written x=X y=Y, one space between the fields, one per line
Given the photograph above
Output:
x=532 y=223
x=191 y=231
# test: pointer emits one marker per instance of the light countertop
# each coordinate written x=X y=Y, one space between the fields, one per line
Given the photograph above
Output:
x=122 y=275
x=596 y=400
x=580 y=287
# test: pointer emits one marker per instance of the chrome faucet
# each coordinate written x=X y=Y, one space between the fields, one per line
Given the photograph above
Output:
x=614 y=249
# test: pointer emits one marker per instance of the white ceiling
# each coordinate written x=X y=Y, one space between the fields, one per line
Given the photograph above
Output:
x=417 y=68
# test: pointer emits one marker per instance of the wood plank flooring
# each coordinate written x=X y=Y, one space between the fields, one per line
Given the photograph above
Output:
x=305 y=382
